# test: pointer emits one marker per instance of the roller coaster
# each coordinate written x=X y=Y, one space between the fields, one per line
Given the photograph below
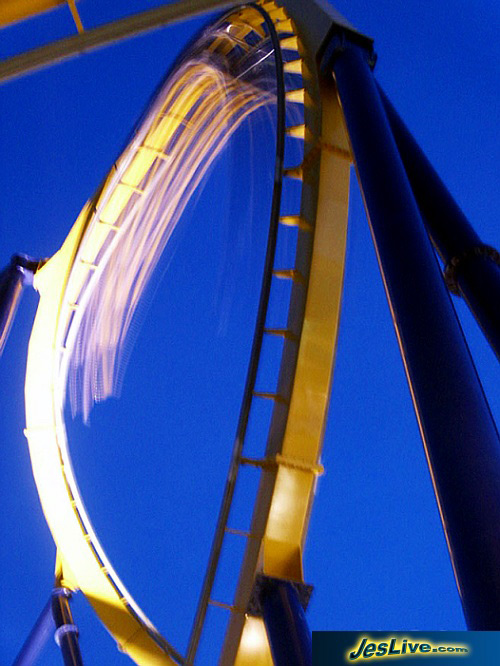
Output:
x=309 y=67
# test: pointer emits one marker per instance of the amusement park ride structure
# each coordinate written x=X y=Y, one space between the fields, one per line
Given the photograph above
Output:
x=326 y=67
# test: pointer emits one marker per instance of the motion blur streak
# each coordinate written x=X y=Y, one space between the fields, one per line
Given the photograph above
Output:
x=186 y=128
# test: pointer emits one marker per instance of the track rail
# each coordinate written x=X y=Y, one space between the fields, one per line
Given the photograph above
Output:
x=236 y=457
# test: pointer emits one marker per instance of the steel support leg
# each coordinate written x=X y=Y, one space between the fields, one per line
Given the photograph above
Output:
x=18 y=273
x=37 y=639
x=459 y=434
x=472 y=268
x=286 y=625
x=66 y=634
x=11 y=287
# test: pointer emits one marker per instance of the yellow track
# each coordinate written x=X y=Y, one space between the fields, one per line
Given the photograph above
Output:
x=292 y=462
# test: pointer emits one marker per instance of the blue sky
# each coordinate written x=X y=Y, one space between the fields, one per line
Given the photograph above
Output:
x=152 y=465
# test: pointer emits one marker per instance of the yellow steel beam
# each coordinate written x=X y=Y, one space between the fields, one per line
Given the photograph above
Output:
x=107 y=34
x=84 y=566
x=286 y=490
x=75 y=15
x=12 y=11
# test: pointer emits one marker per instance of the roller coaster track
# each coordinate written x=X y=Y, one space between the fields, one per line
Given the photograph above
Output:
x=188 y=109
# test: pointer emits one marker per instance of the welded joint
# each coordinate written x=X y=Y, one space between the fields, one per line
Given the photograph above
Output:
x=61 y=591
x=225 y=606
x=263 y=582
x=63 y=630
x=336 y=150
x=452 y=268
x=340 y=40
x=301 y=465
x=34 y=430
x=289 y=274
x=279 y=460
x=26 y=266
x=276 y=397
x=320 y=145
x=285 y=333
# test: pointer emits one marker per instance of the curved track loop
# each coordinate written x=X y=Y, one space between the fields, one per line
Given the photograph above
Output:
x=292 y=460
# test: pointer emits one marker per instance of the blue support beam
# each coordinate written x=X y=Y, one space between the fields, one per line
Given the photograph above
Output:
x=18 y=273
x=37 y=638
x=11 y=287
x=66 y=634
x=472 y=268
x=458 y=430
x=286 y=625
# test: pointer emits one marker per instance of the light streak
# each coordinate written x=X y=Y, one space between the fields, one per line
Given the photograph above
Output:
x=186 y=129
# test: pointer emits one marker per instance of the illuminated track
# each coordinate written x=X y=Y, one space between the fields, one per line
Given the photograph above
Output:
x=81 y=322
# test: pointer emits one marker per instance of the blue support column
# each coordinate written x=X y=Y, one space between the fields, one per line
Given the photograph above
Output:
x=286 y=625
x=37 y=639
x=18 y=273
x=66 y=634
x=11 y=287
x=459 y=434
x=472 y=268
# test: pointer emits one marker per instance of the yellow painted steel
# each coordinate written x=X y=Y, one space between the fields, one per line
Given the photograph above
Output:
x=12 y=11
x=61 y=284
x=288 y=480
x=83 y=565
x=301 y=448
x=290 y=471
x=75 y=15
x=286 y=490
